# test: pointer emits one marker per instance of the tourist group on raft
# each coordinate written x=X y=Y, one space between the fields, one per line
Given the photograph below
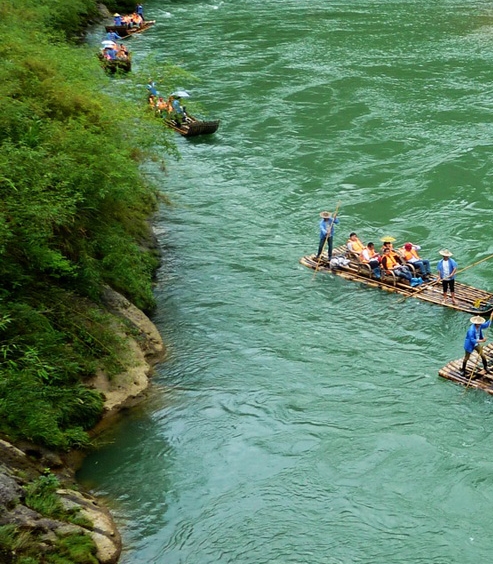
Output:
x=390 y=259
x=398 y=261
x=170 y=108
x=130 y=21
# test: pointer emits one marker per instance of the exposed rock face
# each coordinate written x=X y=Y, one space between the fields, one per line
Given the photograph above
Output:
x=16 y=470
x=24 y=463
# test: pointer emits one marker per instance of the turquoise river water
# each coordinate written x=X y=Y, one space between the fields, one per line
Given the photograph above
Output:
x=301 y=419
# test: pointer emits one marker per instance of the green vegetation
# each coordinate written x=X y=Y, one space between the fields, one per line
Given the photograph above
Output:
x=18 y=546
x=21 y=547
x=74 y=211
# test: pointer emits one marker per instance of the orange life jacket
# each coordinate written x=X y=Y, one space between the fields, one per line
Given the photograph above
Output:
x=390 y=262
x=356 y=246
x=409 y=255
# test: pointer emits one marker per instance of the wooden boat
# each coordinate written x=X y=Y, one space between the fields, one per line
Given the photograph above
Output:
x=192 y=126
x=113 y=66
x=474 y=376
x=469 y=299
x=124 y=31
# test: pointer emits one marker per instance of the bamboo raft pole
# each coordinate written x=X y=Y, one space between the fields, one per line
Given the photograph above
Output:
x=469 y=299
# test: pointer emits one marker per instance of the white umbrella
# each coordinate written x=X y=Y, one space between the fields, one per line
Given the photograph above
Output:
x=180 y=94
x=108 y=43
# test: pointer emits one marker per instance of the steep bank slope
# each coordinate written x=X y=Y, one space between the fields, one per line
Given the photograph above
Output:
x=40 y=505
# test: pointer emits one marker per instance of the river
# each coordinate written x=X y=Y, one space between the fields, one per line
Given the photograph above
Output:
x=300 y=418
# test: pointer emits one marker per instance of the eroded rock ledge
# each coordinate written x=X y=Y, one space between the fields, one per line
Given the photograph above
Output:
x=23 y=463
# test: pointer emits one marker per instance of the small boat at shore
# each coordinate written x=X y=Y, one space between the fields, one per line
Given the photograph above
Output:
x=474 y=376
x=112 y=66
x=124 y=31
x=191 y=126
x=469 y=299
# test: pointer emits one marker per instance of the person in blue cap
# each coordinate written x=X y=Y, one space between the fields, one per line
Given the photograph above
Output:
x=139 y=9
x=474 y=341
x=327 y=229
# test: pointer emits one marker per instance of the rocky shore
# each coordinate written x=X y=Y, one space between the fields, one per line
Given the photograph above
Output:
x=23 y=464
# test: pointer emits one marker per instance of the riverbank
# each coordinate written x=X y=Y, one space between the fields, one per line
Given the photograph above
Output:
x=27 y=466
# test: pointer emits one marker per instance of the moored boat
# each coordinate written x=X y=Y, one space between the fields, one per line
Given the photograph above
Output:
x=469 y=299
x=474 y=377
x=124 y=31
x=113 y=66
x=192 y=126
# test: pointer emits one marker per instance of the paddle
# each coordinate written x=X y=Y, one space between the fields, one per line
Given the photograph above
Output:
x=479 y=356
x=327 y=237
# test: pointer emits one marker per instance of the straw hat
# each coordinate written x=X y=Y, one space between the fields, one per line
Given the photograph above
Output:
x=115 y=15
x=387 y=239
x=477 y=320
x=445 y=253
x=325 y=214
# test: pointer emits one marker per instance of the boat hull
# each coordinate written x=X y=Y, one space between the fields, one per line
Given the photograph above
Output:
x=124 y=32
x=115 y=65
x=194 y=127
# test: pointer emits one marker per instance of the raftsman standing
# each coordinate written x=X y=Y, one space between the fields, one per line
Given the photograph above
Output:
x=447 y=267
x=327 y=229
x=474 y=341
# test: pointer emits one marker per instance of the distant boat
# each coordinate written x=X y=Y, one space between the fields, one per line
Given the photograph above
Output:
x=124 y=31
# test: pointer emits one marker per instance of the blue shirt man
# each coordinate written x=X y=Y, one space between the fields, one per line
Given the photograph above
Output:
x=327 y=228
x=447 y=268
x=117 y=19
x=112 y=36
x=139 y=9
x=151 y=86
x=474 y=341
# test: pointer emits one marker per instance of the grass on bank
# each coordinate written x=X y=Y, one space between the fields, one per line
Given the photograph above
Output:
x=74 y=212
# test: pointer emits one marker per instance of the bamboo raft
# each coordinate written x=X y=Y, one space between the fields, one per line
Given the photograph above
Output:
x=479 y=381
x=469 y=299
x=193 y=127
x=124 y=31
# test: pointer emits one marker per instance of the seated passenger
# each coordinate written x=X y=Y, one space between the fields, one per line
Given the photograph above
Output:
x=387 y=244
x=392 y=263
x=175 y=110
x=354 y=244
x=122 y=54
x=161 y=105
x=410 y=254
x=370 y=257
x=109 y=53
